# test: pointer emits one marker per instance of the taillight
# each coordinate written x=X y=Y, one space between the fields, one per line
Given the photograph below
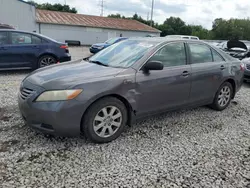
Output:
x=242 y=66
x=64 y=47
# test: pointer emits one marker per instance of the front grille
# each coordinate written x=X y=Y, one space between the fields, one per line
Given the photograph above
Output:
x=25 y=93
x=248 y=66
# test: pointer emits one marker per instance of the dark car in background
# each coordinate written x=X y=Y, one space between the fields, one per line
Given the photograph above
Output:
x=127 y=81
x=25 y=50
x=235 y=48
x=100 y=46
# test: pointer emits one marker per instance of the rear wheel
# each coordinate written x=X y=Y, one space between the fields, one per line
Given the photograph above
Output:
x=105 y=120
x=223 y=97
x=46 y=61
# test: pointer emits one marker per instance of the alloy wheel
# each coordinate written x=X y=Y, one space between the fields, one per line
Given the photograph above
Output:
x=107 y=121
x=46 y=61
x=224 y=96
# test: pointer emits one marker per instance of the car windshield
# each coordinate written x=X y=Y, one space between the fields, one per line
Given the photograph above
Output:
x=123 y=54
x=111 y=41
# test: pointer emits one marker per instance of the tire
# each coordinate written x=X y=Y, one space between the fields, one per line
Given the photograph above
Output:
x=98 y=127
x=218 y=105
x=46 y=60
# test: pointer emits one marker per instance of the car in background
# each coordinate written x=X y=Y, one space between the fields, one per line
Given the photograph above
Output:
x=100 y=46
x=235 y=48
x=5 y=26
x=246 y=61
x=125 y=82
x=25 y=50
x=183 y=37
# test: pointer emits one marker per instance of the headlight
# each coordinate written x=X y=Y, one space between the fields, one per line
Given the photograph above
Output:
x=59 y=95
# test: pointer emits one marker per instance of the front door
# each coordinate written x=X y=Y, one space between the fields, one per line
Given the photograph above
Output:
x=208 y=68
x=168 y=88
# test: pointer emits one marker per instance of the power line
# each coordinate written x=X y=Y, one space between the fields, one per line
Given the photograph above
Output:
x=152 y=13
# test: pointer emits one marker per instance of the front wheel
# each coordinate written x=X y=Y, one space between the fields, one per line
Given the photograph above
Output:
x=105 y=120
x=223 y=97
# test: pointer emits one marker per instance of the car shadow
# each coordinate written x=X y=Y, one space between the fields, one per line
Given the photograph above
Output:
x=13 y=72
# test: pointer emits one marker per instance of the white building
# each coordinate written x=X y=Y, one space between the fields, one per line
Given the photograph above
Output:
x=68 y=26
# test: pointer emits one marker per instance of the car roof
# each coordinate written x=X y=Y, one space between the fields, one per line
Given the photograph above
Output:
x=20 y=31
x=159 y=40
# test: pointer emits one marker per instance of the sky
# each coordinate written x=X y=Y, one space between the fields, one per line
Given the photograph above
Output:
x=198 y=12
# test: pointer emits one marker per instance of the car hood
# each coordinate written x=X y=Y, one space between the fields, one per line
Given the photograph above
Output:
x=100 y=44
x=236 y=44
x=68 y=75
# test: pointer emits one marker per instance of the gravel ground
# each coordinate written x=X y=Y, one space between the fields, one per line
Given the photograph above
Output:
x=189 y=148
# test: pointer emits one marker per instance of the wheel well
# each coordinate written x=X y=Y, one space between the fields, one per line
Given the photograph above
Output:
x=122 y=99
x=53 y=55
x=231 y=81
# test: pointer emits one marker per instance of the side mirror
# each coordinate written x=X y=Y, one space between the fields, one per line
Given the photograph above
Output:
x=153 y=65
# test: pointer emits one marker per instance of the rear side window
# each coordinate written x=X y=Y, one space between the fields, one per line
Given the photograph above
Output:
x=171 y=55
x=3 y=38
x=20 y=38
x=217 y=57
x=36 y=40
x=200 y=53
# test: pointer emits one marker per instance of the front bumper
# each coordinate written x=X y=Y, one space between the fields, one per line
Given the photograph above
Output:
x=94 y=50
x=62 y=118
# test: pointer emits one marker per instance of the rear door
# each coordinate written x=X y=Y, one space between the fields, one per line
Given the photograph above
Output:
x=208 y=68
x=24 y=51
x=168 y=88
x=4 y=46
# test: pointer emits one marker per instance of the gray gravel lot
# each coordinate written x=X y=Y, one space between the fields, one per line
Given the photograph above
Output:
x=189 y=148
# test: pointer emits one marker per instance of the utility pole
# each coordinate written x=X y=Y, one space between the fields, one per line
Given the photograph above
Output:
x=65 y=2
x=152 y=13
x=102 y=7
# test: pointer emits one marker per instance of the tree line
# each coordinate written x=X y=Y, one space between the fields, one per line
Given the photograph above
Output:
x=54 y=7
x=221 y=29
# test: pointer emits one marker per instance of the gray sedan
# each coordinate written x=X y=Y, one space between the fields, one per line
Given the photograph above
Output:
x=129 y=80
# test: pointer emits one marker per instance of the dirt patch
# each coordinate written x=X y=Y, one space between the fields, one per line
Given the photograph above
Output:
x=4 y=146
x=3 y=171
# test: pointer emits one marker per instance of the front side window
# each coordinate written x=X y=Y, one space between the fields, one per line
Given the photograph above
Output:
x=200 y=53
x=171 y=55
x=3 y=38
x=20 y=38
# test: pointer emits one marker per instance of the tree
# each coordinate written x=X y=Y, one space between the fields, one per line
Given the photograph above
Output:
x=54 y=7
x=175 y=23
x=115 y=16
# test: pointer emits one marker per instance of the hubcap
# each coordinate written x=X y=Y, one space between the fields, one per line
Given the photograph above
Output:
x=47 y=61
x=224 y=96
x=107 y=121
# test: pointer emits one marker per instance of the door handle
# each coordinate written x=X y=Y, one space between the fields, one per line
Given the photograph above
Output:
x=3 y=48
x=36 y=47
x=222 y=67
x=185 y=73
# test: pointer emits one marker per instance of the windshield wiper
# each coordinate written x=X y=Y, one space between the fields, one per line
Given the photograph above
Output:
x=98 y=63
